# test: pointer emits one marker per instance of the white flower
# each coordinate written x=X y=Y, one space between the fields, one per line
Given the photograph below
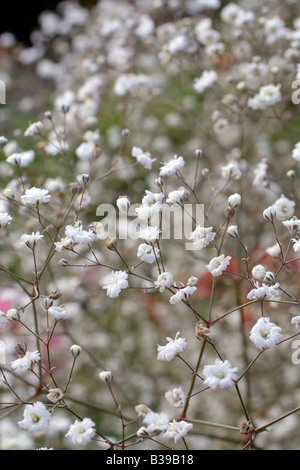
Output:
x=3 y=319
x=175 y=197
x=116 y=282
x=274 y=251
x=177 y=430
x=202 y=236
x=34 y=129
x=220 y=375
x=171 y=167
x=265 y=334
x=296 y=321
x=147 y=253
x=155 y=422
x=35 y=195
x=77 y=233
x=36 y=418
x=144 y=158
x=5 y=219
x=176 y=397
x=86 y=150
x=293 y=225
x=31 y=240
x=296 y=244
x=269 y=213
x=259 y=292
x=218 y=264
x=21 y=159
x=58 y=312
x=260 y=173
x=26 y=362
x=207 y=79
x=268 y=96
x=259 y=272
x=153 y=199
x=149 y=234
x=64 y=243
x=231 y=171
x=171 y=349
x=182 y=294
x=296 y=151
x=123 y=204
x=164 y=281
x=284 y=208
x=82 y=432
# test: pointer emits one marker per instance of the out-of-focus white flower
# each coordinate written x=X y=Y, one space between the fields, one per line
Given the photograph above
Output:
x=21 y=159
x=164 y=281
x=268 y=95
x=220 y=375
x=64 y=243
x=259 y=292
x=82 y=432
x=296 y=150
x=175 y=197
x=176 y=397
x=86 y=150
x=207 y=80
x=26 y=362
x=296 y=321
x=123 y=204
x=171 y=167
x=202 y=236
x=58 y=312
x=31 y=240
x=144 y=158
x=293 y=225
x=259 y=272
x=36 y=418
x=296 y=244
x=260 y=173
x=117 y=281
x=3 y=319
x=35 y=195
x=171 y=349
x=177 y=430
x=269 y=213
x=274 y=251
x=77 y=233
x=34 y=129
x=218 y=264
x=5 y=219
x=231 y=171
x=284 y=208
x=147 y=253
x=3 y=142
x=265 y=334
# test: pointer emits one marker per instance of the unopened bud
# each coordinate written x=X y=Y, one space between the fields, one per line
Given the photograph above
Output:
x=270 y=277
x=106 y=376
x=111 y=244
x=54 y=294
x=3 y=142
x=291 y=174
x=64 y=263
x=13 y=315
x=47 y=303
x=125 y=133
x=258 y=272
x=233 y=231
x=55 y=395
x=269 y=214
x=8 y=193
x=234 y=200
x=123 y=204
x=85 y=178
x=201 y=331
x=192 y=281
x=198 y=153
x=142 y=434
x=21 y=348
x=75 y=350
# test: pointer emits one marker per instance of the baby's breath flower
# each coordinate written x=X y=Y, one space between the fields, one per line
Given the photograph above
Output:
x=36 y=418
x=117 y=281
x=218 y=264
x=265 y=334
x=5 y=219
x=34 y=195
x=220 y=375
x=34 y=129
x=26 y=362
x=176 y=397
x=171 y=349
x=164 y=281
x=31 y=240
x=82 y=432
x=171 y=167
x=177 y=430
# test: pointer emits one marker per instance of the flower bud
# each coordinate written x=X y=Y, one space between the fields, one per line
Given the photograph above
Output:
x=111 y=244
x=125 y=133
x=270 y=277
x=233 y=231
x=291 y=174
x=85 y=178
x=13 y=315
x=3 y=142
x=198 y=153
x=201 y=331
x=47 y=303
x=48 y=115
x=142 y=434
x=55 y=395
x=106 y=376
x=192 y=281
x=259 y=272
x=8 y=193
x=21 y=348
x=64 y=263
x=123 y=204
x=234 y=200
x=75 y=350
x=269 y=214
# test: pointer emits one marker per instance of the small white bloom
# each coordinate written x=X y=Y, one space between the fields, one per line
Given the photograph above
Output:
x=144 y=158
x=86 y=150
x=177 y=430
x=175 y=197
x=293 y=225
x=58 y=312
x=220 y=375
x=3 y=319
x=155 y=422
x=234 y=200
x=35 y=195
x=182 y=294
x=164 y=281
x=296 y=244
x=202 y=236
x=176 y=397
x=274 y=251
x=218 y=264
x=77 y=233
x=36 y=418
x=231 y=171
x=31 y=240
x=149 y=234
x=265 y=334
x=82 y=432
x=268 y=96
x=117 y=281
x=26 y=362
x=207 y=80
x=296 y=152
x=123 y=204
x=171 y=167
x=171 y=349
x=147 y=253
x=64 y=243
x=21 y=159
x=284 y=208
x=259 y=292
x=5 y=219
x=259 y=272
x=34 y=129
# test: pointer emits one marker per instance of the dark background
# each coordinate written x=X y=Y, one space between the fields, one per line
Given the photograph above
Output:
x=20 y=17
